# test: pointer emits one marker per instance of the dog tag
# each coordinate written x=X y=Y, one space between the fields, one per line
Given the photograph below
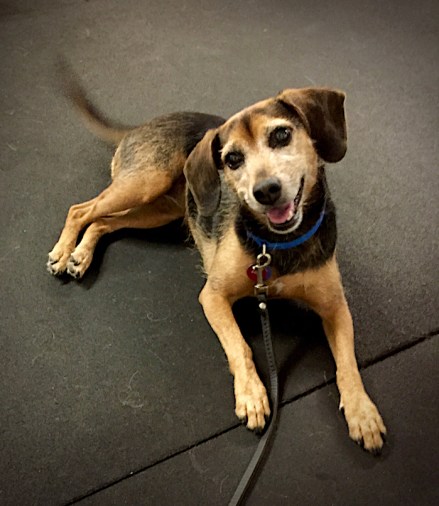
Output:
x=253 y=275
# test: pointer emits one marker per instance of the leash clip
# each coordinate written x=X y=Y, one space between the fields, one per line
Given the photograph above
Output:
x=263 y=260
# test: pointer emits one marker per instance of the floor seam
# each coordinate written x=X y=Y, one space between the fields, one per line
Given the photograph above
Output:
x=157 y=462
x=363 y=366
x=400 y=349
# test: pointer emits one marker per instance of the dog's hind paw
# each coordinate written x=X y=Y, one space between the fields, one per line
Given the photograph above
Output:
x=57 y=261
x=79 y=262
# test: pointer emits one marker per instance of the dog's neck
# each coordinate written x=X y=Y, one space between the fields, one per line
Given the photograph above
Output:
x=282 y=245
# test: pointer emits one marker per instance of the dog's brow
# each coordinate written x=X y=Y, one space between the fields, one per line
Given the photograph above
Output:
x=242 y=126
x=247 y=125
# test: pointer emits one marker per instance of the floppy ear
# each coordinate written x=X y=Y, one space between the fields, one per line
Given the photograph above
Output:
x=201 y=171
x=322 y=112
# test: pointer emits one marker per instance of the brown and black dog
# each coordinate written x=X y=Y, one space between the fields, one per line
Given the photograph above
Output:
x=256 y=178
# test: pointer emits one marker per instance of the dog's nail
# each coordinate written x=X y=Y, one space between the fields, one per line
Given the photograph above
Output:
x=74 y=261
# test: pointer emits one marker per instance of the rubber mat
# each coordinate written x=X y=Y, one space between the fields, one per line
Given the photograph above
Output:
x=313 y=462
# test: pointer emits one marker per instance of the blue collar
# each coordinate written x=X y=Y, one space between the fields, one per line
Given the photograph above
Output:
x=291 y=244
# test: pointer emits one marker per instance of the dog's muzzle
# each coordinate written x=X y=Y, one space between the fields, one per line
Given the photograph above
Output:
x=268 y=193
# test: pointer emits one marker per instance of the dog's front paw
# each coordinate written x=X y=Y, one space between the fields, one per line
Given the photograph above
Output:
x=365 y=424
x=79 y=262
x=251 y=400
x=57 y=261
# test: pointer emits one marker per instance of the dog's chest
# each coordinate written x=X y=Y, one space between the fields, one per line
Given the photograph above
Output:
x=287 y=287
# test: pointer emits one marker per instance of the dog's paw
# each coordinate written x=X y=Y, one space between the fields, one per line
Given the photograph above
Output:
x=57 y=260
x=79 y=262
x=365 y=424
x=252 y=404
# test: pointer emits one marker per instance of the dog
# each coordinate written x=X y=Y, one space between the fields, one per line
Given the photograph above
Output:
x=257 y=178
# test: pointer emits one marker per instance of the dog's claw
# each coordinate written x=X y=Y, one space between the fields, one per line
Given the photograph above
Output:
x=259 y=430
x=376 y=451
x=51 y=270
x=54 y=267
x=72 y=271
x=74 y=261
x=74 y=275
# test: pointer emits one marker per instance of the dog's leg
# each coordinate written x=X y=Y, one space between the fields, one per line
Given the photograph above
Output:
x=323 y=291
x=250 y=394
x=160 y=212
x=123 y=194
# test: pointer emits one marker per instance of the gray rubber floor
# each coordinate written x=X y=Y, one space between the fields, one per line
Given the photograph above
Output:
x=115 y=390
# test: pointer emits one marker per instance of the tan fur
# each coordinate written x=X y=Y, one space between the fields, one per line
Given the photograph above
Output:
x=148 y=191
x=124 y=204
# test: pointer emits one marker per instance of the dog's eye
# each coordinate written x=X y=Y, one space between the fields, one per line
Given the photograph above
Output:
x=279 y=137
x=234 y=159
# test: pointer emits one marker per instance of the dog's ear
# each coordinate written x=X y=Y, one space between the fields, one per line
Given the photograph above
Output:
x=201 y=171
x=322 y=112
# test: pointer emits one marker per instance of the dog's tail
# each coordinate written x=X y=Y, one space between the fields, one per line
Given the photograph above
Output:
x=94 y=120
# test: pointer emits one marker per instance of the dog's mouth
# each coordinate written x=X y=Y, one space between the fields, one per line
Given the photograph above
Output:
x=284 y=218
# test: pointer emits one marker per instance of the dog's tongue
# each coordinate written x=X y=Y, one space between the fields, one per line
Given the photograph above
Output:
x=281 y=214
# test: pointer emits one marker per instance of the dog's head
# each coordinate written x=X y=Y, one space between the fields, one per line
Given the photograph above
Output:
x=270 y=153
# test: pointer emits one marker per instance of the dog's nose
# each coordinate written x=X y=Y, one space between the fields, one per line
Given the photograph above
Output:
x=268 y=191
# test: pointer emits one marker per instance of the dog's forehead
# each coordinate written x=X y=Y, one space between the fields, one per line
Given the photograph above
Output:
x=249 y=123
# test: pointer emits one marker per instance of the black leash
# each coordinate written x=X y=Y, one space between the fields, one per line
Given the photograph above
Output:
x=262 y=272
